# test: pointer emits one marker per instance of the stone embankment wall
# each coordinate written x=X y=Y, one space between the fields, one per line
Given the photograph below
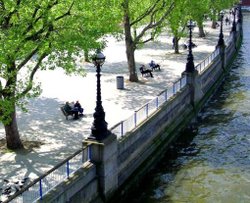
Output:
x=117 y=163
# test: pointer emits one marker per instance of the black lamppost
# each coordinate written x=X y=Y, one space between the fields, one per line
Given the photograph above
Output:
x=234 y=23
x=190 y=59
x=99 y=127
x=221 y=36
x=239 y=13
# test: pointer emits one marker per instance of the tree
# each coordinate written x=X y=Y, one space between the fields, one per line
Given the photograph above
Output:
x=52 y=32
x=144 y=19
x=198 y=9
x=217 y=6
x=177 y=22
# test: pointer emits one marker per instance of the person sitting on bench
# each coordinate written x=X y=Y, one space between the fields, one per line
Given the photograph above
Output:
x=145 y=71
x=71 y=110
x=154 y=65
x=185 y=46
x=78 y=107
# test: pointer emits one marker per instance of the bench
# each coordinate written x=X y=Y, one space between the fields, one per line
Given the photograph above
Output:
x=66 y=114
x=146 y=72
x=185 y=45
x=156 y=66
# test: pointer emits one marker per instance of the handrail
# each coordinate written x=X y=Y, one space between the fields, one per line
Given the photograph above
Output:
x=143 y=112
x=202 y=65
x=27 y=187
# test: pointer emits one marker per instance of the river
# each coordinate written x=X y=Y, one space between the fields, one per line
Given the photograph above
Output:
x=213 y=164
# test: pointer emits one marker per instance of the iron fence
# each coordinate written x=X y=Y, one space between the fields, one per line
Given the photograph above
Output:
x=36 y=190
x=148 y=109
x=201 y=66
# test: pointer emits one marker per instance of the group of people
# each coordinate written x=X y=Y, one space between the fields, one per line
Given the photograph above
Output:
x=74 y=108
x=146 y=71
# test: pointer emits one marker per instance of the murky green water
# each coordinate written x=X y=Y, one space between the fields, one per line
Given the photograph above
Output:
x=214 y=164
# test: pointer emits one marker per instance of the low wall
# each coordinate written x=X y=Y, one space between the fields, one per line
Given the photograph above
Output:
x=143 y=147
x=80 y=187
x=137 y=146
x=117 y=163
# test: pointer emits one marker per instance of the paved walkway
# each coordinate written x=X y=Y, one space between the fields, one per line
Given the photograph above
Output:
x=45 y=124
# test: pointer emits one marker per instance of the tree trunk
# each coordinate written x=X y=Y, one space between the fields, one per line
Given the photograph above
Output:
x=86 y=55
x=130 y=51
x=176 y=45
x=130 y=45
x=12 y=135
x=214 y=23
x=201 y=31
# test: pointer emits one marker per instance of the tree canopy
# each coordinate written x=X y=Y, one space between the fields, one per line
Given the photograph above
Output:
x=52 y=32
x=49 y=34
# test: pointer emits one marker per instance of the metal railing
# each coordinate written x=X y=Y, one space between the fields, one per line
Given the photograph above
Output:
x=36 y=190
x=201 y=66
x=148 y=109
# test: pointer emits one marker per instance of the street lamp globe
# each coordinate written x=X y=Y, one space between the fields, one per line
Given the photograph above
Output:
x=98 y=58
x=222 y=14
x=191 y=24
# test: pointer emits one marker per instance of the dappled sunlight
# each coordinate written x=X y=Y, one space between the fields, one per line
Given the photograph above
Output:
x=59 y=138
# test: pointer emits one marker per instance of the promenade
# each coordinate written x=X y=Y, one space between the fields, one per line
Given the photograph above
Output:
x=50 y=138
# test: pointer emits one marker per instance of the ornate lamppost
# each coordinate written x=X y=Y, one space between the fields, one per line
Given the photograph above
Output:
x=234 y=23
x=190 y=59
x=239 y=13
x=99 y=129
x=221 y=36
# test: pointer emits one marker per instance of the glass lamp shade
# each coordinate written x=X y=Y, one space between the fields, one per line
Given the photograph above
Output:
x=190 y=24
x=222 y=14
x=98 y=58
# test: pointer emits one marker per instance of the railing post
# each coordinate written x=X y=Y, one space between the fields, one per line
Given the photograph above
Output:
x=67 y=165
x=157 y=102
x=135 y=119
x=174 y=89
x=89 y=151
x=85 y=154
x=166 y=95
x=147 y=110
x=122 y=129
x=40 y=189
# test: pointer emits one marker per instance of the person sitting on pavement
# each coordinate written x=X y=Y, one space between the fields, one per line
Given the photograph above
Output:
x=78 y=107
x=71 y=110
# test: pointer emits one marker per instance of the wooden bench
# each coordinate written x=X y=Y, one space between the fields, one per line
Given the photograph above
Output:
x=66 y=114
x=156 y=66
x=146 y=72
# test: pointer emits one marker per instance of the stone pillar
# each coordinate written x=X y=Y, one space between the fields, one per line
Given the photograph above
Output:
x=234 y=39
x=222 y=57
x=193 y=81
x=104 y=155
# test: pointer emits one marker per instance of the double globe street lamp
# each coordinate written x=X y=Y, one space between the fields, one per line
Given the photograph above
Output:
x=99 y=130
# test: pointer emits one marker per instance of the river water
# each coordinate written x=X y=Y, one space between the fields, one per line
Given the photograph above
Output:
x=213 y=164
